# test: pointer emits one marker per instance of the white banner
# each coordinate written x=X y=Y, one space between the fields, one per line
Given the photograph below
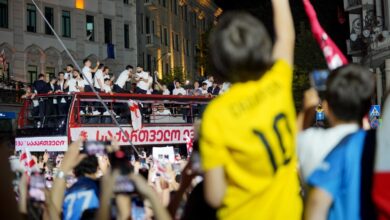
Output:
x=164 y=154
x=145 y=136
x=57 y=143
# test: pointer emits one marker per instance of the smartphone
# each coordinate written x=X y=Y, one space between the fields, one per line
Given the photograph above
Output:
x=95 y=147
x=195 y=161
x=36 y=188
x=123 y=185
x=318 y=79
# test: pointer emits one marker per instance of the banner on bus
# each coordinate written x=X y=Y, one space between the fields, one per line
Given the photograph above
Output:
x=145 y=136
x=57 y=143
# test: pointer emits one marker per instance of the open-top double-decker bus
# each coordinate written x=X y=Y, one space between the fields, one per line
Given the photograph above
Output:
x=51 y=122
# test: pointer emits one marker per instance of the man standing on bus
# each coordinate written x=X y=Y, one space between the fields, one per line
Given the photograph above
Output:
x=75 y=84
x=122 y=79
x=142 y=79
x=87 y=71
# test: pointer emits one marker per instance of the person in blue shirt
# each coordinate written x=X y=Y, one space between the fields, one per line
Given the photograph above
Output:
x=336 y=186
x=83 y=196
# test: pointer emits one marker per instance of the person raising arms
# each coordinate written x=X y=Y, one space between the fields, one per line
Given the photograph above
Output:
x=247 y=138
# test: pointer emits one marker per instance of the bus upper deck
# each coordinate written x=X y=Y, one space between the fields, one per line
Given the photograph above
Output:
x=50 y=122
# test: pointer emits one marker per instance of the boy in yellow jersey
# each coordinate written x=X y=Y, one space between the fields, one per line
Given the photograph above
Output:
x=248 y=134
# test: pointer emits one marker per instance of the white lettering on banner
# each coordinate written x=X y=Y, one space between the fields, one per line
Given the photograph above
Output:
x=145 y=136
x=42 y=143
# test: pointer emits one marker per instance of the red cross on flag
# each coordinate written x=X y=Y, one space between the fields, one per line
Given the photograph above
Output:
x=136 y=117
x=189 y=144
x=26 y=160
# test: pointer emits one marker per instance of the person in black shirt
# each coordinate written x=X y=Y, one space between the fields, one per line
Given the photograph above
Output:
x=213 y=90
x=40 y=86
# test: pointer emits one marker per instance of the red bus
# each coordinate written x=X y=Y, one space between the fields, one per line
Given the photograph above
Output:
x=51 y=122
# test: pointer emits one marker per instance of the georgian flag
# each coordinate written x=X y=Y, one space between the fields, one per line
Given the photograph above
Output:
x=381 y=192
x=26 y=160
x=334 y=57
x=189 y=144
x=136 y=117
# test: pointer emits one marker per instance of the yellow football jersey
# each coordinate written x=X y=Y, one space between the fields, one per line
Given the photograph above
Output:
x=250 y=131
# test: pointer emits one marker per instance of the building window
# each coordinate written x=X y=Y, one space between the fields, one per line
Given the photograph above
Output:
x=90 y=27
x=4 y=13
x=32 y=73
x=166 y=68
x=177 y=42
x=166 y=40
x=31 y=18
x=126 y=2
x=66 y=26
x=148 y=62
x=147 y=25
x=161 y=35
x=173 y=41
x=185 y=11
x=142 y=23
x=127 y=36
x=164 y=3
x=153 y=31
x=49 y=15
x=194 y=18
x=175 y=6
x=50 y=73
x=107 y=31
x=188 y=47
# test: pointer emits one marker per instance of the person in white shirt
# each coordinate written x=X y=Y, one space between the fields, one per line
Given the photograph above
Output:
x=107 y=86
x=225 y=86
x=165 y=90
x=347 y=99
x=87 y=73
x=68 y=71
x=179 y=90
x=122 y=79
x=98 y=79
x=203 y=89
x=161 y=110
x=76 y=84
x=142 y=79
x=209 y=81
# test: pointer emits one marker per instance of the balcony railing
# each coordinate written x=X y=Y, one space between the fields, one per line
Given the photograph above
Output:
x=151 y=4
x=152 y=41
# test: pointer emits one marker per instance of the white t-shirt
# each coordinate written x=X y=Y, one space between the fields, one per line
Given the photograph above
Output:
x=315 y=144
x=142 y=84
x=122 y=79
x=98 y=75
x=88 y=74
x=107 y=88
x=179 y=91
x=166 y=92
x=72 y=84
x=209 y=84
x=204 y=91
x=165 y=112
x=67 y=75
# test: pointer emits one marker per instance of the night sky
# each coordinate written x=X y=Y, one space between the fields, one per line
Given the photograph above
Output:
x=328 y=13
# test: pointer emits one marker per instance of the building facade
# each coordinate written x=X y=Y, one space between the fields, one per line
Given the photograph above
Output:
x=103 y=30
x=170 y=34
x=369 y=42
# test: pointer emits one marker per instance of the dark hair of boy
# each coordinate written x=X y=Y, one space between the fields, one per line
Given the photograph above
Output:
x=61 y=73
x=242 y=48
x=105 y=80
x=85 y=60
x=41 y=75
x=88 y=165
x=129 y=67
x=349 y=91
x=101 y=66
